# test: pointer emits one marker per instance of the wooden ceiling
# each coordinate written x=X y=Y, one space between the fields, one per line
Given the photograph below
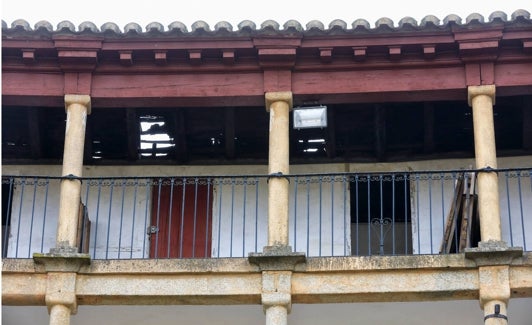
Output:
x=355 y=133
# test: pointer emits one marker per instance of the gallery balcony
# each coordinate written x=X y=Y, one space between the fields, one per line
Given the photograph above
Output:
x=341 y=214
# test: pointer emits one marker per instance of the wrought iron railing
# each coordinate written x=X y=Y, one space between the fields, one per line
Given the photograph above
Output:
x=426 y=212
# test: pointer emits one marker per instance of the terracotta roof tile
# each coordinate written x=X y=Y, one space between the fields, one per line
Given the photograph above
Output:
x=358 y=25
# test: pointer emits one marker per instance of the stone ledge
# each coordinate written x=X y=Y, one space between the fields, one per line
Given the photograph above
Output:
x=277 y=258
x=493 y=252
x=62 y=261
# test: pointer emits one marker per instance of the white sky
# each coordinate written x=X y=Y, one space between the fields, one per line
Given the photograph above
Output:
x=234 y=11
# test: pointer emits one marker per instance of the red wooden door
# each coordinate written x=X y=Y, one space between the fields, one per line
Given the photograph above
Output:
x=181 y=218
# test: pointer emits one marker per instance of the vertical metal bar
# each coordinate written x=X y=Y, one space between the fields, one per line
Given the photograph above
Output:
x=159 y=187
x=369 y=214
x=320 y=180
x=357 y=214
x=405 y=183
x=417 y=216
x=256 y=214
x=8 y=217
x=232 y=216
x=134 y=213
x=97 y=217
x=195 y=216
x=207 y=217
x=182 y=226
x=509 y=208
x=442 y=180
x=47 y=183
x=521 y=208
x=456 y=244
x=308 y=215
x=35 y=183
x=332 y=215
x=121 y=217
x=146 y=215
x=245 y=189
x=346 y=224
x=381 y=218
x=220 y=190
x=111 y=191
x=23 y=185
x=295 y=213
x=393 y=214
x=170 y=215
x=87 y=190
x=430 y=211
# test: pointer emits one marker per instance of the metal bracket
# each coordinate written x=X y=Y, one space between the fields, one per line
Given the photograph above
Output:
x=152 y=230
x=497 y=314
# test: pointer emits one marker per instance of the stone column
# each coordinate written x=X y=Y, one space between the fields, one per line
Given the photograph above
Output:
x=482 y=99
x=494 y=293
x=279 y=105
x=61 y=297
x=276 y=296
x=77 y=108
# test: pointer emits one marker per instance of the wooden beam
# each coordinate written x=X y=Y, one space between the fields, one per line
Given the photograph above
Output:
x=87 y=147
x=181 y=149
x=380 y=132
x=331 y=133
x=34 y=132
x=230 y=133
x=428 y=125
x=133 y=134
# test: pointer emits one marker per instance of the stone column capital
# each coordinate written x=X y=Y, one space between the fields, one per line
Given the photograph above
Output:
x=487 y=90
x=84 y=100
x=278 y=96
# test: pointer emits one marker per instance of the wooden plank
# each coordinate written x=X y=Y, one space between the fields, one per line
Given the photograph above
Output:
x=467 y=212
x=450 y=224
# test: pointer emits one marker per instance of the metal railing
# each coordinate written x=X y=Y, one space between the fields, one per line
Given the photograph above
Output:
x=426 y=212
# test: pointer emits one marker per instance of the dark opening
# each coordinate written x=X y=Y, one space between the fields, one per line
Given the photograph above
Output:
x=380 y=215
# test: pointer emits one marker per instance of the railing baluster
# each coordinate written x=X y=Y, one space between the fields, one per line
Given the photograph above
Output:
x=208 y=210
x=295 y=213
x=182 y=225
x=47 y=183
x=232 y=217
x=23 y=185
x=245 y=181
x=332 y=216
x=148 y=200
x=111 y=190
x=521 y=210
x=32 y=214
x=121 y=217
x=170 y=216
x=256 y=214
x=195 y=216
x=133 y=215
x=7 y=231
x=320 y=180
x=393 y=214
x=220 y=190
